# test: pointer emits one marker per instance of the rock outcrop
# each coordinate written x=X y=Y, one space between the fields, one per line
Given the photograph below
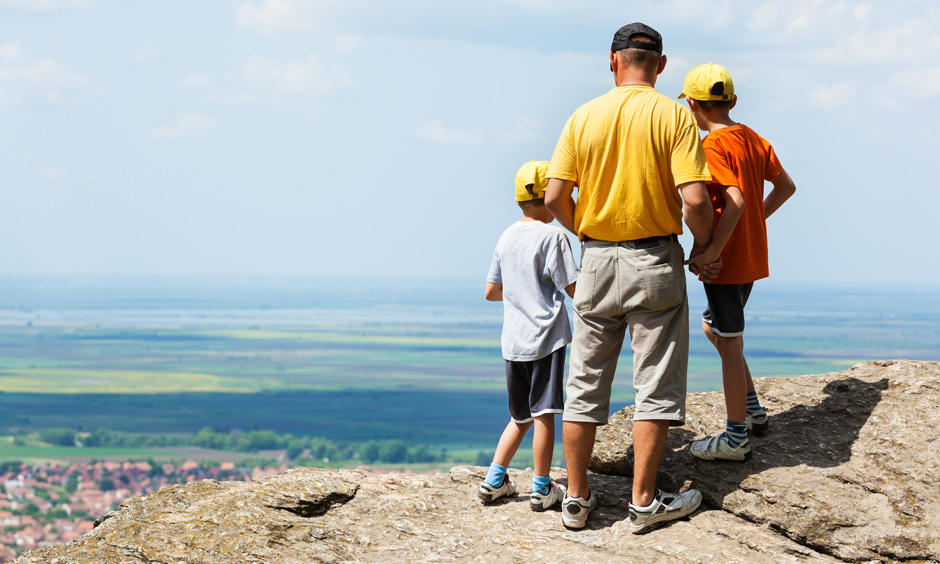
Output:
x=849 y=472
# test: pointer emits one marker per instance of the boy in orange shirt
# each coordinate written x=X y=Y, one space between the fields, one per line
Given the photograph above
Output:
x=740 y=161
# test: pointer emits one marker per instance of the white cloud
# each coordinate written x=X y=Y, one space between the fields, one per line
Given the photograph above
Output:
x=831 y=96
x=52 y=173
x=347 y=43
x=43 y=5
x=526 y=130
x=23 y=76
x=435 y=132
x=280 y=79
x=277 y=16
x=189 y=124
x=920 y=84
x=197 y=80
x=237 y=98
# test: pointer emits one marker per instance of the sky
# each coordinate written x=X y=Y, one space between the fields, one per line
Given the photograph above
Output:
x=366 y=138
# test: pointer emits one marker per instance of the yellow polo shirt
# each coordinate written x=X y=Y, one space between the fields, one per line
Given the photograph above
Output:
x=627 y=150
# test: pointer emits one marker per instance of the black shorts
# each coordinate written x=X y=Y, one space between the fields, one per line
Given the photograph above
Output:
x=535 y=386
x=725 y=311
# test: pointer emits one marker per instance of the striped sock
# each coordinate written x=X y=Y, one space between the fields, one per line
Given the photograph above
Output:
x=495 y=475
x=540 y=484
x=753 y=406
x=736 y=433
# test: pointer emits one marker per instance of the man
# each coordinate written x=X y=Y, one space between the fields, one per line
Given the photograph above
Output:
x=631 y=153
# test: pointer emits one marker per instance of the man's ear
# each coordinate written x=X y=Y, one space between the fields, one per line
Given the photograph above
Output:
x=662 y=65
x=612 y=59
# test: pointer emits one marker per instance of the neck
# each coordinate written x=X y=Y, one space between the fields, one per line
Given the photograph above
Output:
x=719 y=122
x=635 y=77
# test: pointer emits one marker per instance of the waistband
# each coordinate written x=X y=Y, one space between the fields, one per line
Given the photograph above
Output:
x=644 y=243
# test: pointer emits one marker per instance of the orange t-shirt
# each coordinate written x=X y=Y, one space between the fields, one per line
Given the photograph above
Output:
x=737 y=156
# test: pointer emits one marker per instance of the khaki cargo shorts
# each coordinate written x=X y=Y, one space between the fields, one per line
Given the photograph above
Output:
x=637 y=286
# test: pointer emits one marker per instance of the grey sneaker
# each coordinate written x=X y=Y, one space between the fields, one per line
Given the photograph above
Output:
x=666 y=507
x=758 y=423
x=719 y=448
x=541 y=502
x=490 y=494
x=575 y=510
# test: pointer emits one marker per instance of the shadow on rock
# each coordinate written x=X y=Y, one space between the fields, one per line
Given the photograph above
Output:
x=819 y=435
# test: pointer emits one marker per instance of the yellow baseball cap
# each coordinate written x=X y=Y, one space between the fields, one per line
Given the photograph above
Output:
x=708 y=82
x=531 y=174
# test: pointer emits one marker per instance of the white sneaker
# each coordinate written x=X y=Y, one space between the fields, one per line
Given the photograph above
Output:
x=666 y=507
x=718 y=448
x=575 y=510
x=490 y=494
x=758 y=423
x=541 y=502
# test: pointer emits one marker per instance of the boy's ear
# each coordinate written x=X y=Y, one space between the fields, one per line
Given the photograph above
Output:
x=734 y=101
x=693 y=105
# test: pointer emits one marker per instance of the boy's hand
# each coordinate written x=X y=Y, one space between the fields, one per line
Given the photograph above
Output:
x=710 y=271
x=704 y=263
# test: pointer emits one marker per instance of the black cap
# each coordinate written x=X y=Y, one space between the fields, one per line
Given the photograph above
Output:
x=623 y=38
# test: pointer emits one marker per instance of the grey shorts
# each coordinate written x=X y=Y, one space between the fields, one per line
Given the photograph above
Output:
x=624 y=287
x=535 y=386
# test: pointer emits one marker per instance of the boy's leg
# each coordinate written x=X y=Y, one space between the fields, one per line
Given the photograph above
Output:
x=509 y=442
x=545 y=493
x=543 y=443
x=734 y=376
x=723 y=323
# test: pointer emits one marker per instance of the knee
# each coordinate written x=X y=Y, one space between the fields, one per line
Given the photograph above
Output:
x=729 y=345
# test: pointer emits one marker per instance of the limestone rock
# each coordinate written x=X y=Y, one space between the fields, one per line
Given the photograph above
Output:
x=848 y=472
x=850 y=466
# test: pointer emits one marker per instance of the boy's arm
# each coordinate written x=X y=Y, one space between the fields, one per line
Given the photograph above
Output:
x=493 y=292
x=734 y=207
x=569 y=289
x=783 y=189
x=558 y=200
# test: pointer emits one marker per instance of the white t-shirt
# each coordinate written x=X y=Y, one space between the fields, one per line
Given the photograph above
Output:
x=534 y=263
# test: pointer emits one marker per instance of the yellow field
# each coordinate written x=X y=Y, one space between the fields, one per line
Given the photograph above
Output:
x=75 y=381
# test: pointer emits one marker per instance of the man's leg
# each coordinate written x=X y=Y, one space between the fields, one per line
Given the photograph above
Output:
x=649 y=442
x=579 y=444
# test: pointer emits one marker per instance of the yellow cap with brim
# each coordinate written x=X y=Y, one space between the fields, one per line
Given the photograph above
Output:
x=531 y=174
x=701 y=83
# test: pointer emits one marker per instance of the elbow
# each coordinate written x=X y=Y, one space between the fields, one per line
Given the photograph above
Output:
x=551 y=202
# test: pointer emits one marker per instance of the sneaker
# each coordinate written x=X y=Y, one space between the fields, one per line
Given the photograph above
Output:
x=541 y=502
x=666 y=507
x=490 y=494
x=575 y=510
x=758 y=423
x=719 y=448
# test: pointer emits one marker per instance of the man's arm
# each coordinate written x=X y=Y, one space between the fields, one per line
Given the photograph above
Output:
x=493 y=292
x=559 y=201
x=783 y=189
x=698 y=215
x=697 y=212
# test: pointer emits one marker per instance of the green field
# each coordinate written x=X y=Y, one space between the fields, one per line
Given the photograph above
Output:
x=416 y=373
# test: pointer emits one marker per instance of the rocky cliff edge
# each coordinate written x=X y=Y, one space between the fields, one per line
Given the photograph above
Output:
x=849 y=472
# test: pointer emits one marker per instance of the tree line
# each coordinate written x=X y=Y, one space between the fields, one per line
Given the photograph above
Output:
x=298 y=449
